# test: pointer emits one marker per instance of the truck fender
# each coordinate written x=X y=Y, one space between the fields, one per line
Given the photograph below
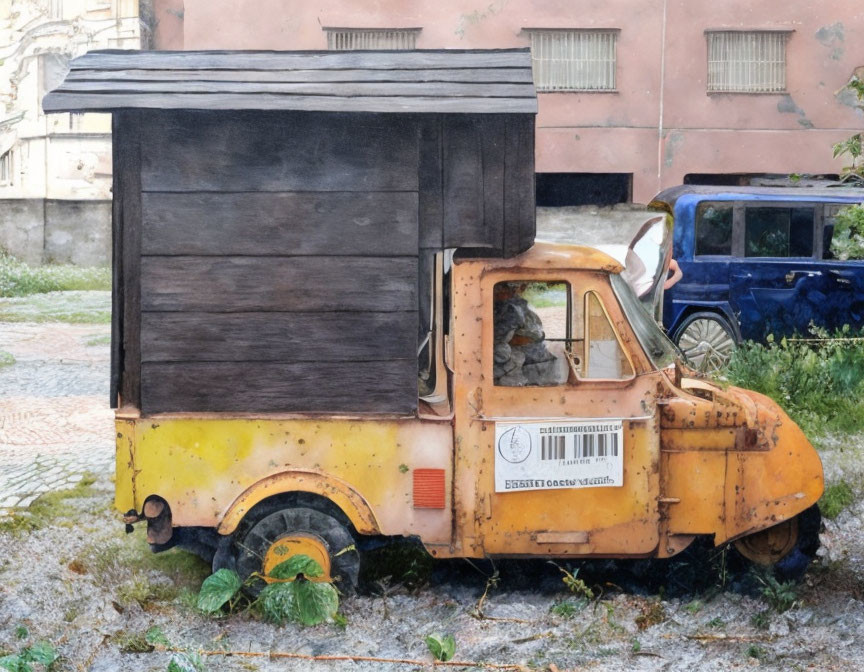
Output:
x=300 y=480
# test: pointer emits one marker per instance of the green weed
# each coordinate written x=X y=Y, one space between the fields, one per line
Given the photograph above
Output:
x=48 y=509
x=99 y=340
x=20 y=279
x=6 y=358
x=836 y=497
x=781 y=595
x=73 y=307
x=755 y=651
x=568 y=608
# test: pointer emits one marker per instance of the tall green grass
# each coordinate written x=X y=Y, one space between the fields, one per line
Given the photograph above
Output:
x=820 y=384
x=20 y=279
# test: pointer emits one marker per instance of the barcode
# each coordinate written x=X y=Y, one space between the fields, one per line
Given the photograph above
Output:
x=552 y=447
x=595 y=445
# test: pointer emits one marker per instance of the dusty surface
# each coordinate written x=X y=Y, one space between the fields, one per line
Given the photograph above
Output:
x=77 y=581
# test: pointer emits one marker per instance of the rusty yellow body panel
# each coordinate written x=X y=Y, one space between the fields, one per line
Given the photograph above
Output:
x=696 y=459
x=212 y=470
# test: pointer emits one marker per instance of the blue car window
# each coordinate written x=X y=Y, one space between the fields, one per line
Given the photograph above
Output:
x=714 y=229
x=778 y=232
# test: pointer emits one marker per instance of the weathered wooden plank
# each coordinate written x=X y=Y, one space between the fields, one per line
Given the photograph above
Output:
x=344 y=89
x=492 y=135
x=462 y=169
x=431 y=204
x=128 y=141
x=331 y=223
x=60 y=101
x=267 y=387
x=519 y=190
x=473 y=75
x=116 y=266
x=244 y=284
x=267 y=151
x=299 y=60
x=284 y=337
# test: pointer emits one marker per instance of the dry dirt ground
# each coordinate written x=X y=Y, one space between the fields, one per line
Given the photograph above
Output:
x=70 y=576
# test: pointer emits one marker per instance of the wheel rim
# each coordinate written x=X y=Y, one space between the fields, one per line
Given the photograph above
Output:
x=298 y=544
x=706 y=344
x=769 y=546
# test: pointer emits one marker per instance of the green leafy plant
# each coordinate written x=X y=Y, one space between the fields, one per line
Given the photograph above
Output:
x=761 y=620
x=851 y=147
x=781 y=595
x=186 y=661
x=289 y=595
x=442 y=647
x=754 y=651
x=42 y=653
x=20 y=279
x=574 y=584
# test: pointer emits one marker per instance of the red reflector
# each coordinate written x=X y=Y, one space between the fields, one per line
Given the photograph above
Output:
x=429 y=489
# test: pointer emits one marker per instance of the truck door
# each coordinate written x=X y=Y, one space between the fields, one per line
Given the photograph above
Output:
x=562 y=434
x=775 y=287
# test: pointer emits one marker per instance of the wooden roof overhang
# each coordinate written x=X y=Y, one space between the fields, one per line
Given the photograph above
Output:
x=420 y=81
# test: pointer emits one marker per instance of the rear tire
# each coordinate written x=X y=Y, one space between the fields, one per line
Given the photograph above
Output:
x=318 y=534
x=707 y=341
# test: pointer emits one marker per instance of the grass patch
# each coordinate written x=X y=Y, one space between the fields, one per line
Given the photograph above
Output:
x=84 y=307
x=835 y=499
x=6 y=358
x=48 y=509
x=20 y=279
x=99 y=340
x=820 y=385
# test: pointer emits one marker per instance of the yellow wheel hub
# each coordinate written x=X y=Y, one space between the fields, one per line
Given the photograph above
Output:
x=298 y=544
x=769 y=546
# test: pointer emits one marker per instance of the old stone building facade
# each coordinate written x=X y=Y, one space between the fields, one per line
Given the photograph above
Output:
x=55 y=169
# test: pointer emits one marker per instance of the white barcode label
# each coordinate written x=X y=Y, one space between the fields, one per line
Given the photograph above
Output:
x=567 y=454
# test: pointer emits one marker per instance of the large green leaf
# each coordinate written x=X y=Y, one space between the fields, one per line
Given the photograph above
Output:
x=186 y=662
x=296 y=564
x=42 y=652
x=316 y=602
x=442 y=647
x=278 y=602
x=218 y=589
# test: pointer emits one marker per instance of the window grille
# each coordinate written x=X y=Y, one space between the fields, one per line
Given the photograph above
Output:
x=747 y=62
x=574 y=60
x=344 y=39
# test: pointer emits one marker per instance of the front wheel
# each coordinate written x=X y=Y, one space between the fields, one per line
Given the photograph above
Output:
x=707 y=341
x=788 y=547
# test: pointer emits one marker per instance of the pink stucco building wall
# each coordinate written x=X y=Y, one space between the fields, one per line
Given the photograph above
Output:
x=659 y=125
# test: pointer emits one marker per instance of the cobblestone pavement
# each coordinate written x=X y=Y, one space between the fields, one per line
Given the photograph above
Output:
x=55 y=423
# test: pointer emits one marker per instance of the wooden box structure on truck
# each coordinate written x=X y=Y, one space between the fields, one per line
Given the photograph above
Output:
x=276 y=215
x=285 y=291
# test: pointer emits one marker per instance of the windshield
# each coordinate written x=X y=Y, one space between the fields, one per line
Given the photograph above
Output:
x=656 y=345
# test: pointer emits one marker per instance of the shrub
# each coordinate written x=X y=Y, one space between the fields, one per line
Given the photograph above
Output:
x=20 y=279
x=820 y=383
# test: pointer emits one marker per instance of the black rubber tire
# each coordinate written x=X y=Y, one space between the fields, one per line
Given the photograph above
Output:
x=794 y=564
x=705 y=315
x=251 y=542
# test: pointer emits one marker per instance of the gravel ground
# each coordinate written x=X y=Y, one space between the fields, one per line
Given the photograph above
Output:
x=70 y=576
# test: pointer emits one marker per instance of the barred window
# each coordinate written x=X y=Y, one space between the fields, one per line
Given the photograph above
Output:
x=573 y=60
x=344 y=39
x=747 y=61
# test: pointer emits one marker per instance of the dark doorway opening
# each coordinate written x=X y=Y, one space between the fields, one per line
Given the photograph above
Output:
x=559 y=189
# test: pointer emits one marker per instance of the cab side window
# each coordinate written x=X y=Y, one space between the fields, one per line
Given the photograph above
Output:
x=602 y=354
x=531 y=328
x=542 y=340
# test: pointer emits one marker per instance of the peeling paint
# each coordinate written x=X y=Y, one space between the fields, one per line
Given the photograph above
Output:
x=478 y=16
x=673 y=141
x=788 y=106
x=832 y=36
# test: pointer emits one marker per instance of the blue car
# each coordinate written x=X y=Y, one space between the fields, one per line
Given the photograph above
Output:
x=756 y=261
